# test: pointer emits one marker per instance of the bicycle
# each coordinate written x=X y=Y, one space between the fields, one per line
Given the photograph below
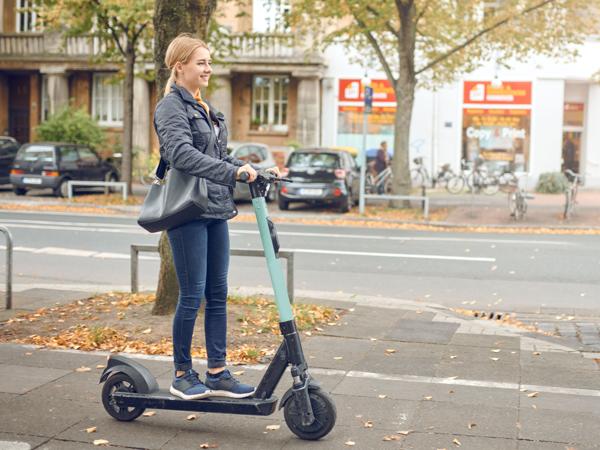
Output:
x=380 y=183
x=456 y=184
x=419 y=175
x=445 y=174
x=480 y=180
x=517 y=201
x=571 y=192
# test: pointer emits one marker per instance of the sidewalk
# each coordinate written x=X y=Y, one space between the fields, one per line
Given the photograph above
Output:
x=415 y=374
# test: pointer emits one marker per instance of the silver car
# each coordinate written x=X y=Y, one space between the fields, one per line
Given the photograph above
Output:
x=254 y=153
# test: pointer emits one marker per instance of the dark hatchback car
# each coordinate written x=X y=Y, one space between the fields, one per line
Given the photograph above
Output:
x=320 y=175
x=8 y=150
x=46 y=165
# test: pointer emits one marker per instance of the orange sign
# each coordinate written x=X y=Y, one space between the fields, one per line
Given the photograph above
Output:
x=353 y=90
x=507 y=93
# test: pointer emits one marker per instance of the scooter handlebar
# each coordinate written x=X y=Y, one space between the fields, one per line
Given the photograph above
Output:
x=265 y=176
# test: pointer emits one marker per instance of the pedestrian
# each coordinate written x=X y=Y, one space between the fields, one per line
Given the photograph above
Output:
x=186 y=125
x=382 y=160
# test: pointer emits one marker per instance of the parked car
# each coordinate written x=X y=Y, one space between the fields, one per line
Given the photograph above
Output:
x=8 y=150
x=254 y=153
x=43 y=165
x=321 y=175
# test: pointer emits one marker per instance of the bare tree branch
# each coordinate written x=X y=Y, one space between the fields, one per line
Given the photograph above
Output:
x=102 y=16
x=482 y=33
x=422 y=12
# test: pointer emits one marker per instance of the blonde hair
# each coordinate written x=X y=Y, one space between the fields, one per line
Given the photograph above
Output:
x=180 y=50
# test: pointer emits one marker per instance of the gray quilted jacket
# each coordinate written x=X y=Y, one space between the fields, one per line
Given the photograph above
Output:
x=184 y=130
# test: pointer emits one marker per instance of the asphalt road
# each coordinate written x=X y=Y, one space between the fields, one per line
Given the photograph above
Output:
x=506 y=272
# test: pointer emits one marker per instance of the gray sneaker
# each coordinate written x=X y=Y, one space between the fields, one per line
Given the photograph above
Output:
x=225 y=385
x=189 y=387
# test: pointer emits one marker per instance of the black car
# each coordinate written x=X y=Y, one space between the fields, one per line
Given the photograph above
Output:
x=51 y=165
x=8 y=149
x=321 y=175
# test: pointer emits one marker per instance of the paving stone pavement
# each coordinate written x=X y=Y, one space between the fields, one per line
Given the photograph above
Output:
x=413 y=376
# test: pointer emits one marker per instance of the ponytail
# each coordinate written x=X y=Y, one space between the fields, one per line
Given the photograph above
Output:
x=169 y=82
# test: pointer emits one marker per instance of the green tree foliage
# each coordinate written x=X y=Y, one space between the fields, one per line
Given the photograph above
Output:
x=71 y=125
x=431 y=42
x=120 y=31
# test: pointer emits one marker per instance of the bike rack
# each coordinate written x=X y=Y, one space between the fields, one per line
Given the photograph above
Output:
x=289 y=256
x=9 y=258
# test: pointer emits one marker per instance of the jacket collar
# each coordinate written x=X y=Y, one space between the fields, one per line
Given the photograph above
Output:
x=189 y=98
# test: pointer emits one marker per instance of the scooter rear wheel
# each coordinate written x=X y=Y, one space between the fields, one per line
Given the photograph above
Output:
x=119 y=382
x=325 y=416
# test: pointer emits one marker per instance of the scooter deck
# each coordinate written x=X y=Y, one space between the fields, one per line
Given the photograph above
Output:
x=163 y=399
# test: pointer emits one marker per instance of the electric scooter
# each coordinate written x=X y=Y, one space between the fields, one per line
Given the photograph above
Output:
x=309 y=412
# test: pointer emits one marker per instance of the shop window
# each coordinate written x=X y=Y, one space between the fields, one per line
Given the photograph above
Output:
x=499 y=136
x=270 y=103
x=107 y=100
x=26 y=16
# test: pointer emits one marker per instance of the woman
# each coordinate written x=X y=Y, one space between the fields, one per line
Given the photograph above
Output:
x=193 y=139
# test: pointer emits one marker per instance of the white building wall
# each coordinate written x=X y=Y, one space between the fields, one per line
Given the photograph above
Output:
x=546 y=127
x=592 y=142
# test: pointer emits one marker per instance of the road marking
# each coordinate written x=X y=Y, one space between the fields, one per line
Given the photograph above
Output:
x=60 y=251
x=136 y=229
x=391 y=255
x=409 y=238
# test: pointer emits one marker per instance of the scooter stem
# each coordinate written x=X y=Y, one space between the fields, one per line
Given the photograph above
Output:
x=281 y=297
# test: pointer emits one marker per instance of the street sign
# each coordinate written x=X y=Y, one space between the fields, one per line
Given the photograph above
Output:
x=368 y=99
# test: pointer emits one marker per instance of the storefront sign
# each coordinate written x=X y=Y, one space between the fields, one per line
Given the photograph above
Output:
x=352 y=90
x=507 y=93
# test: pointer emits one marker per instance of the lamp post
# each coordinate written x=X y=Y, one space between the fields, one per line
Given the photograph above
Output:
x=368 y=95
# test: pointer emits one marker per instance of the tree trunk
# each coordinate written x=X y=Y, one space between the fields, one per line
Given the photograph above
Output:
x=126 y=163
x=172 y=17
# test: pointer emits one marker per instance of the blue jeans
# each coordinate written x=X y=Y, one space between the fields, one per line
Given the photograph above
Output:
x=201 y=256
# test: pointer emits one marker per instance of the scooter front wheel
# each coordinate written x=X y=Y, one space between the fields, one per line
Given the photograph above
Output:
x=323 y=410
x=119 y=382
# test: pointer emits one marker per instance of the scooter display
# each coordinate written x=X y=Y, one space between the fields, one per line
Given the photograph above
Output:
x=129 y=388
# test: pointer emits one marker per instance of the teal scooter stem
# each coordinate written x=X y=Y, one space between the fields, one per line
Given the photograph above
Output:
x=129 y=388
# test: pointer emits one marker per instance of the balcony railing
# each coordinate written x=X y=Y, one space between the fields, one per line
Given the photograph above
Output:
x=263 y=46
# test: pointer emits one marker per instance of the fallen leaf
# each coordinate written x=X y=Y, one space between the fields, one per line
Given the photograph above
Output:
x=308 y=333
x=453 y=356
x=101 y=442
x=368 y=424
x=28 y=354
x=191 y=417
x=147 y=331
x=536 y=353
x=82 y=369
x=494 y=359
x=209 y=445
x=429 y=397
x=392 y=437
x=382 y=396
x=91 y=430
x=534 y=407
x=100 y=366
x=495 y=350
x=373 y=339
x=338 y=357
x=273 y=427
x=532 y=394
x=456 y=442
x=472 y=425
x=390 y=350
x=149 y=413
x=405 y=432
x=238 y=372
x=350 y=443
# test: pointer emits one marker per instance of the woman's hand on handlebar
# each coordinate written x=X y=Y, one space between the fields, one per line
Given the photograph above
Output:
x=275 y=171
x=247 y=168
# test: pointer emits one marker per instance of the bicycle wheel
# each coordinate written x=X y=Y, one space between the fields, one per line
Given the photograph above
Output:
x=568 y=205
x=512 y=205
x=455 y=184
x=490 y=185
x=369 y=184
x=507 y=181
